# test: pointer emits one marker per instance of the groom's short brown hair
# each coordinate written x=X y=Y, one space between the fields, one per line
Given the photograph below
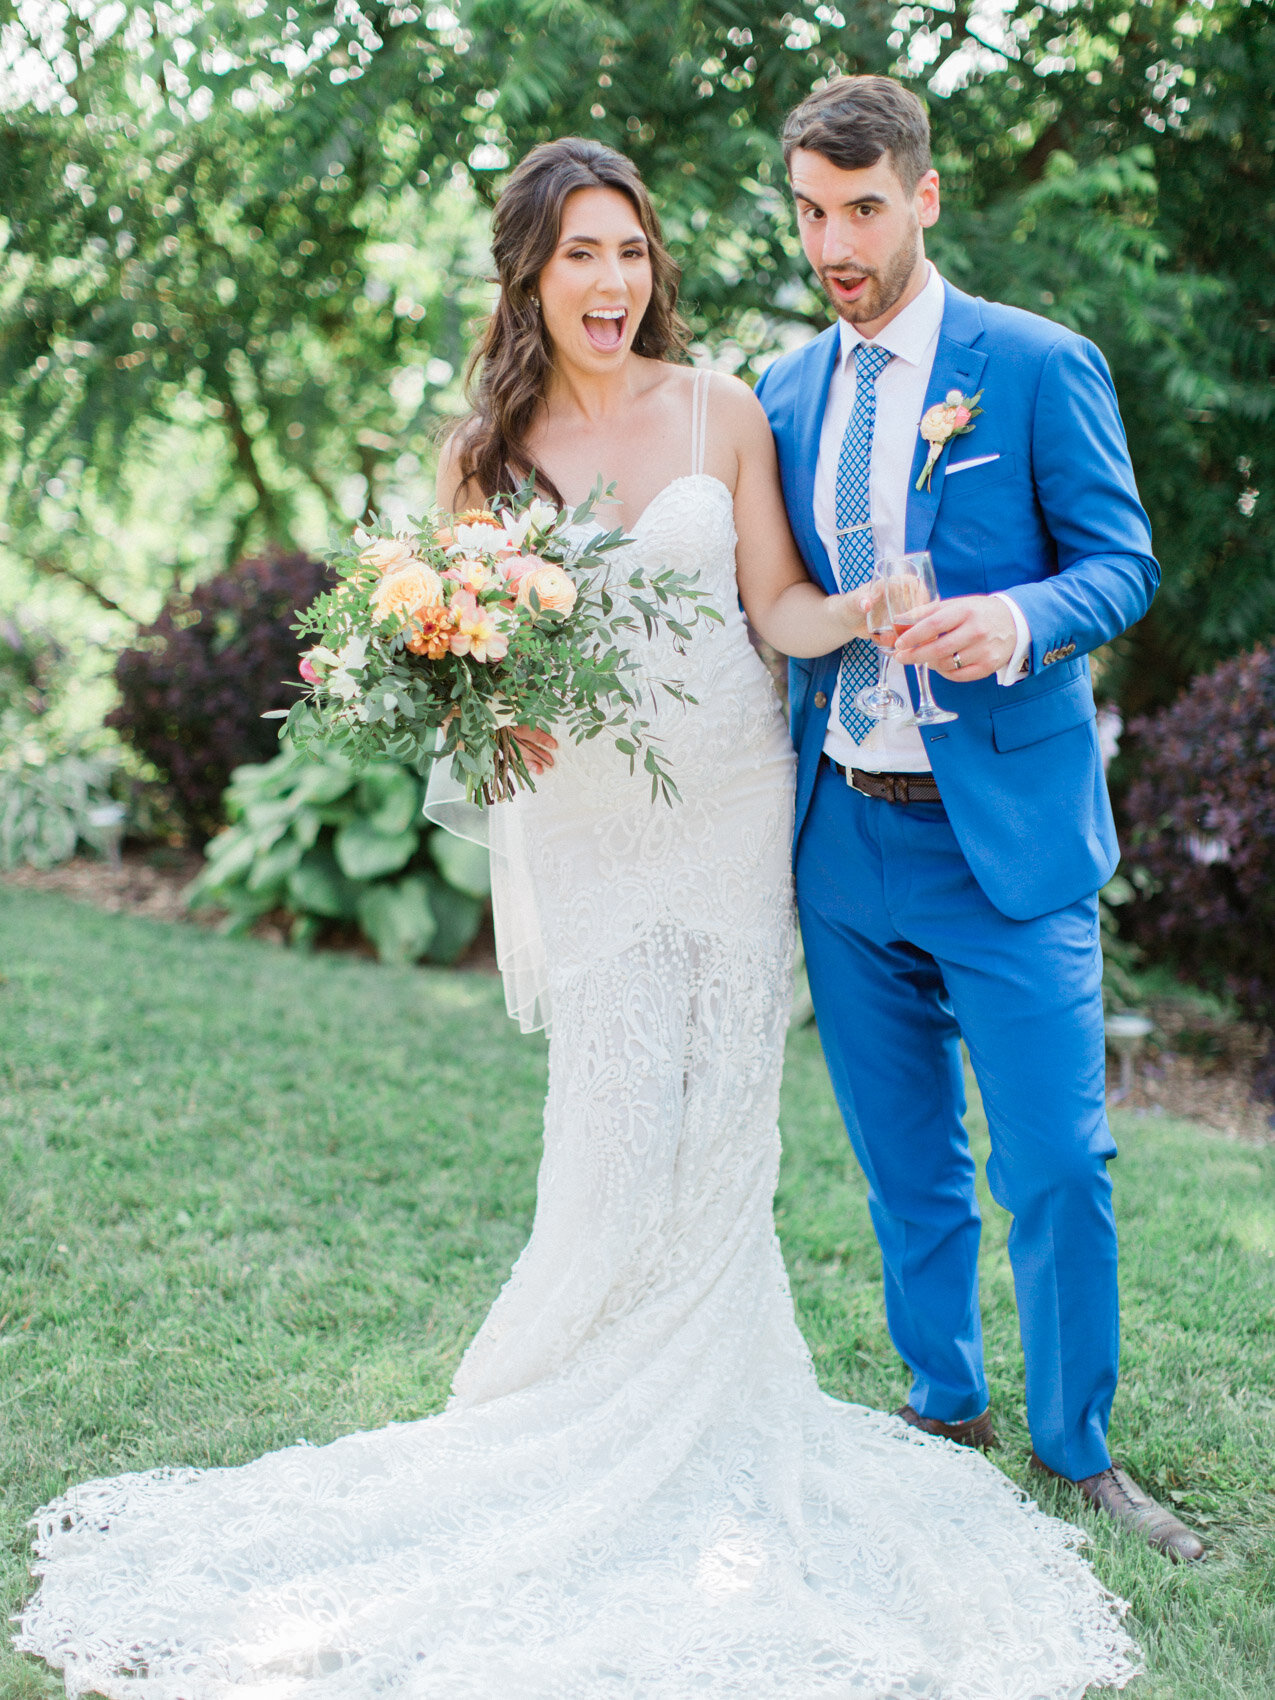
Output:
x=853 y=121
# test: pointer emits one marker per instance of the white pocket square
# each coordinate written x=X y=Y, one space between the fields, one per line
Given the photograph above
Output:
x=964 y=465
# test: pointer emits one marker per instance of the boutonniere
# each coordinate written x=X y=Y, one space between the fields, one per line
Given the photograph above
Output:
x=952 y=417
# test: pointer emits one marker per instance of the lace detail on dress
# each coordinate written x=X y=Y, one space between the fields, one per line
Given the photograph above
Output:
x=637 y=1490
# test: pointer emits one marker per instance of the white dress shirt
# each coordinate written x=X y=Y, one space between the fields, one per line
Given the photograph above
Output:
x=912 y=337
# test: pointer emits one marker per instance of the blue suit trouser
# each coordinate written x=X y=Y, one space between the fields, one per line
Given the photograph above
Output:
x=905 y=955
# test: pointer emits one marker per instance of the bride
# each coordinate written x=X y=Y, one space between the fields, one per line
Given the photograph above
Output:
x=637 y=1490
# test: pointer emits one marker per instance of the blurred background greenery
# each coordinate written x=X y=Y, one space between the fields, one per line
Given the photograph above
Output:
x=242 y=256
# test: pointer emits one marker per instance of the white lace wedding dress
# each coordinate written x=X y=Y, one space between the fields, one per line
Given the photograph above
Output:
x=637 y=1490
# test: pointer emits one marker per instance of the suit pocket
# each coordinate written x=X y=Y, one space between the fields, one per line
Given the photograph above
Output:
x=1060 y=709
x=973 y=473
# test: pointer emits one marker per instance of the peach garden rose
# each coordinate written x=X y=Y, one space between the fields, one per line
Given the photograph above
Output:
x=390 y=554
x=555 y=590
x=402 y=593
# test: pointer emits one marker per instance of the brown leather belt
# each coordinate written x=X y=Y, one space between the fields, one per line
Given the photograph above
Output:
x=890 y=787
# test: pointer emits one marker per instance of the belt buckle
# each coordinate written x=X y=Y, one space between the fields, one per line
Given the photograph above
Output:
x=883 y=791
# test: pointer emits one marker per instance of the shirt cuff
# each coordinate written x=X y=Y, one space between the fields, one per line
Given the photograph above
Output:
x=1019 y=664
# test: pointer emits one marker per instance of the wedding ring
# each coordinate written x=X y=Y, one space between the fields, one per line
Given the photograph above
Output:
x=956 y=660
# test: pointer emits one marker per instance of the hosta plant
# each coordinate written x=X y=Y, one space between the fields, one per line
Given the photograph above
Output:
x=325 y=841
x=48 y=807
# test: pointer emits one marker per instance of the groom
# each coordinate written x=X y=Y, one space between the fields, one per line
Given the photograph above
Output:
x=947 y=876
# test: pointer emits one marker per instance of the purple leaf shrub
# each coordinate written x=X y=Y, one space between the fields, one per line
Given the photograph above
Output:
x=195 y=683
x=1202 y=813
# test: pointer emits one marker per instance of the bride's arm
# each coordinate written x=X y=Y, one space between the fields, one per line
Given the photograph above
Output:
x=790 y=612
x=453 y=495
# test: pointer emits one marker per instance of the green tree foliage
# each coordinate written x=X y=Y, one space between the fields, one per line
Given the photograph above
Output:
x=256 y=226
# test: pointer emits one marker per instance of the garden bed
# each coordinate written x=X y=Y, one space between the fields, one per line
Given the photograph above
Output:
x=1200 y=1069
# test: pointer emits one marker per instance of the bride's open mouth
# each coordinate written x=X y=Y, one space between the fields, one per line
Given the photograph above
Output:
x=604 y=327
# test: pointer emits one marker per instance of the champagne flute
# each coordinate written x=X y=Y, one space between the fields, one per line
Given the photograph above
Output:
x=878 y=701
x=910 y=586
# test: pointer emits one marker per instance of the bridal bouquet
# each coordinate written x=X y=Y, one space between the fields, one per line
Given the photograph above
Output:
x=438 y=640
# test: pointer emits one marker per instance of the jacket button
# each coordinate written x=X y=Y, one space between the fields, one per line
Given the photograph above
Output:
x=821 y=700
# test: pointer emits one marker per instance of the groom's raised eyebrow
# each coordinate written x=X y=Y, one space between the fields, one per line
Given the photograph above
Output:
x=873 y=198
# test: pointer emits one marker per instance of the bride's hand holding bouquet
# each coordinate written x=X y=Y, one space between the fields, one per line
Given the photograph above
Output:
x=456 y=637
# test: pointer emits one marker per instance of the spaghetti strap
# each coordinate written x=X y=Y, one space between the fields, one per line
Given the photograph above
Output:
x=699 y=420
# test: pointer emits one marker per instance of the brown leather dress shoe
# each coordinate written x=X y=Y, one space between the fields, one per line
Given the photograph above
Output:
x=1113 y=1492
x=975 y=1431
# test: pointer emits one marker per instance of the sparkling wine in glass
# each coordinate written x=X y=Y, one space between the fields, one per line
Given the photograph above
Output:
x=910 y=587
x=878 y=701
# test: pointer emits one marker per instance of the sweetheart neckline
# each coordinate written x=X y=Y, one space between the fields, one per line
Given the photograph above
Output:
x=682 y=478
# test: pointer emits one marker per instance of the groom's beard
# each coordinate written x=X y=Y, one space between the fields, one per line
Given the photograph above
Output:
x=884 y=286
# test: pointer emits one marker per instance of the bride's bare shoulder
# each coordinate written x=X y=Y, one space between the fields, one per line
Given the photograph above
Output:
x=733 y=397
x=732 y=405
x=736 y=417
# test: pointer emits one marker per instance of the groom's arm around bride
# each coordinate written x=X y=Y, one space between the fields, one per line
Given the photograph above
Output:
x=947 y=874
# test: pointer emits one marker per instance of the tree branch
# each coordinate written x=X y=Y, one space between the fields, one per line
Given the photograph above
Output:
x=368 y=462
x=245 y=452
x=58 y=569
x=1050 y=139
x=238 y=537
x=326 y=491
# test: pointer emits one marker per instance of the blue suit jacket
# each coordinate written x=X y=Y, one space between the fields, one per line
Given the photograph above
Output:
x=1055 y=518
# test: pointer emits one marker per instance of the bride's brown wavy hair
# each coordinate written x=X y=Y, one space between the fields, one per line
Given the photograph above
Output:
x=509 y=370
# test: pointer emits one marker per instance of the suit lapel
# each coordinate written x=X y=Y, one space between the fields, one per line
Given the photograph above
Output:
x=808 y=424
x=957 y=366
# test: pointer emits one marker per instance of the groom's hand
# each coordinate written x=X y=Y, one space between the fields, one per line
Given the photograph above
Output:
x=976 y=631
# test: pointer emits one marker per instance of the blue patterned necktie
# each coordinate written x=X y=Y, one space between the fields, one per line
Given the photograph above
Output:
x=855 y=555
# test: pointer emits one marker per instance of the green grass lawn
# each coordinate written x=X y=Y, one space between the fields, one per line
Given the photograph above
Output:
x=249 y=1196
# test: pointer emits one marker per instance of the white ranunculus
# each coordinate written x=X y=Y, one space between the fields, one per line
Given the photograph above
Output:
x=477 y=539
x=344 y=685
x=541 y=516
x=352 y=656
x=538 y=518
